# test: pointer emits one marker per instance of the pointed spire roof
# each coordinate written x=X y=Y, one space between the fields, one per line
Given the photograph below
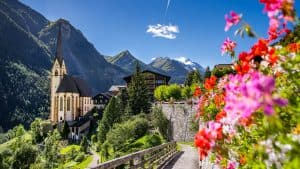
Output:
x=59 y=48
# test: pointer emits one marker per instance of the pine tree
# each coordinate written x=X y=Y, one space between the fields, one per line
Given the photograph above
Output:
x=111 y=115
x=207 y=72
x=139 y=98
x=193 y=77
x=65 y=131
x=84 y=145
x=123 y=98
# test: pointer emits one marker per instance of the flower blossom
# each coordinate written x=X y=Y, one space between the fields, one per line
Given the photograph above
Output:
x=234 y=19
x=228 y=46
x=197 y=92
x=206 y=137
x=248 y=93
x=210 y=82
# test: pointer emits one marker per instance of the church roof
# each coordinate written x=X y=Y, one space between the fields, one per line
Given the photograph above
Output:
x=73 y=85
x=59 y=48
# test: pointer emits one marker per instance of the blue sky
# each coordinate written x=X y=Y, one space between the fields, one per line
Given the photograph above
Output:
x=116 y=25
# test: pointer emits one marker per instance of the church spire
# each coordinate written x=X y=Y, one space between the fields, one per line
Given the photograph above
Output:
x=59 y=50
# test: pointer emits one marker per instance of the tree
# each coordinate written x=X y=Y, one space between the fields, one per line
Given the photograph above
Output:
x=19 y=130
x=193 y=77
x=65 y=130
x=160 y=93
x=139 y=98
x=173 y=92
x=111 y=115
x=160 y=121
x=123 y=98
x=35 y=127
x=84 y=145
x=187 y=92
x=207 y=72
x=51 y=149
x=39 y=129
x=24 y=156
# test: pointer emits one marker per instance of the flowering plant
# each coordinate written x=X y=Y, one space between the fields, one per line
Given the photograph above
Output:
x=251 y=119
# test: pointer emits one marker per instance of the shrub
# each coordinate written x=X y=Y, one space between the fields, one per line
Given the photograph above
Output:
x=80 y=157
x=127 y=131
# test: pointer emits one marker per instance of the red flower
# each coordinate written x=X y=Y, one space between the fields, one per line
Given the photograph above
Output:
x=220 y=115
x=243 y=160
x=197 y=92
x=242 y=67
x=245 y=121
x=272 y=57
x=294 y=47
x=245 y=57
x=219 y=100
x=202 y=141
x=210 y=82
x=260 y=48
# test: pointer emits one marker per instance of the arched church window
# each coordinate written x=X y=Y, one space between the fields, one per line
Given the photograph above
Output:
x=61 y=107
x=56 y=73
x=68 y=104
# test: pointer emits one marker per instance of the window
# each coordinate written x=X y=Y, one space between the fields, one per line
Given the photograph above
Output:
x=61 y=106
x=56 y=73
x=68 y=103
x=159 y=81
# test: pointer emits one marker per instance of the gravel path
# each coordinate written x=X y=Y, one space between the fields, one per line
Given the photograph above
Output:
x=95 y=160
x=187 y=159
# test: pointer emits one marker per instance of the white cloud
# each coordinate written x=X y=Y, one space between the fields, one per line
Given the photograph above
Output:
x=164 y=31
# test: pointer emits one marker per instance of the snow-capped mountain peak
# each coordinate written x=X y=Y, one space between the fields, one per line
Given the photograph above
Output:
x=184 y=60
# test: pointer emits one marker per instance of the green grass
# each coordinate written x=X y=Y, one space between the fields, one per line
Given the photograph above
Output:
x=68 y=148
x=187 y=143
x=85 y=163
x=75 y=165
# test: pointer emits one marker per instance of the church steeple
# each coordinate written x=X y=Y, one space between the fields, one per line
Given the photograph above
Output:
x=59 y=48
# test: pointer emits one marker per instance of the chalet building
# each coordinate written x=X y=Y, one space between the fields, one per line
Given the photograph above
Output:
x=115 y=89
x=70 y=97
x=102 y=99
x=153 y=79
x=223 y=66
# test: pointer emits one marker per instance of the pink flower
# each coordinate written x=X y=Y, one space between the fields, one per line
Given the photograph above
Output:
x=234 y=19
x=228 y=46
x=248 y=93
x=272 y=7
x=232 y=165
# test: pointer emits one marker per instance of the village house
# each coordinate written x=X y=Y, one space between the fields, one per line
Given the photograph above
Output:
x=153 y=79
x=102 y=99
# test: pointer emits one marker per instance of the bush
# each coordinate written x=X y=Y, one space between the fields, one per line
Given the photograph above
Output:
x=160 y=121
x=80 y=157
x=127 y=131
x=166 y=93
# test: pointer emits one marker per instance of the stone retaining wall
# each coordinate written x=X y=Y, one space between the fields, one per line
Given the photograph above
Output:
x=180 y=115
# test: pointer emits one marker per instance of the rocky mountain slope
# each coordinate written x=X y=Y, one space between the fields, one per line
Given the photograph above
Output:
x=176 y=68
x=27 y=46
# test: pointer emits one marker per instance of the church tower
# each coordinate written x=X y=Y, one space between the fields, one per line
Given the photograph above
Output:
x=57 y=72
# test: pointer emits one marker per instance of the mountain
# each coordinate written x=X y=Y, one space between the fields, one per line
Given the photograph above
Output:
x=190 y=65
x=176 y=68
x=81 y=57
x=126 y=61
x=27 y=47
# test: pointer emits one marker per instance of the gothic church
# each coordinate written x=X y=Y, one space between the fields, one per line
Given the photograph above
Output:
x=70 y=96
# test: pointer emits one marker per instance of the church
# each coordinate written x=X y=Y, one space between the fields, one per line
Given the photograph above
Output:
x=70 y=97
